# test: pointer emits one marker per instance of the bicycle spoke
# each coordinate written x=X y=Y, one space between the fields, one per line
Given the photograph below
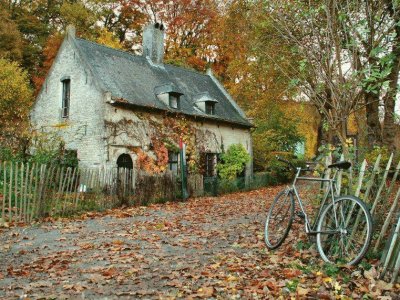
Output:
x=279 y=220
x=353 y=235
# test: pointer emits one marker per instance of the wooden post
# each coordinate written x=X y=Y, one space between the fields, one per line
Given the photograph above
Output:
x=29 y=199
x=339 y=179
x=35 y=193
x=375 y=171
x=3 y=210
x=65 y=188
x=59 y=192
x=391 y=247
x=387 y=220
x=42 y=181
x=392 y=184
x=396 y=266
x=10 y=193
x=25 y=191
x=16 y=191
x=19 y=200
x=360 y=178
x=382 y=185
x=77 y=187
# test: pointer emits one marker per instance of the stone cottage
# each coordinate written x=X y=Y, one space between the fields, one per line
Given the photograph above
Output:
x=113 y=108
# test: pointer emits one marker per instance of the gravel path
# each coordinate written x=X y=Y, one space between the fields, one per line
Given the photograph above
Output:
x=164 y=251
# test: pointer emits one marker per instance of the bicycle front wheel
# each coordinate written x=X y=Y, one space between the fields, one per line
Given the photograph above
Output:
x=344 y=231
x=279 y=219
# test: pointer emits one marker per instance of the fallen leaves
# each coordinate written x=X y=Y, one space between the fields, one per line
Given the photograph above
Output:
x=203 y=248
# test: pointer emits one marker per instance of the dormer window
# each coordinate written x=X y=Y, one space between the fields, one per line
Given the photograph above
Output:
x=174 y=101
x=210 y=108
x=206 y=103
x=169 y=94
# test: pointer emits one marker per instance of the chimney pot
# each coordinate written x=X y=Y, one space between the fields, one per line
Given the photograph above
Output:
x=153 y=42
x=71 y=31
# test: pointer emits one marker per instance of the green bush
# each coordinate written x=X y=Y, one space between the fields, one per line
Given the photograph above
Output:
x=233 y=162
x=281 y=171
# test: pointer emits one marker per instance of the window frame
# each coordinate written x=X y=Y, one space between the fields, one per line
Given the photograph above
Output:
x=176 y=97
x=173 y=159
x=65 y=97
x=210 y=108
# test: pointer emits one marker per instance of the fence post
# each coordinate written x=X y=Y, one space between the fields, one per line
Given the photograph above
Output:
x=360 y=178
x=382 y=185
x=29 y=199
x=391 y=247
x=387 y=221
x=3 y=210
x=25 y=191
x=10 y=193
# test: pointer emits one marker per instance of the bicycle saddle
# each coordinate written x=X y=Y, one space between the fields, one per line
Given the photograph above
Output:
x=344 y=165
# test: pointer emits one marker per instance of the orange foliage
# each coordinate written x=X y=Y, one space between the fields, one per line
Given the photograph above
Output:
x=50 y=51
x=149 y=164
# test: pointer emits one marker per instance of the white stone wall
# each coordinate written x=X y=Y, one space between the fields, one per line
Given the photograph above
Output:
x=228 y=135
x=214 y=135
x=83 y=130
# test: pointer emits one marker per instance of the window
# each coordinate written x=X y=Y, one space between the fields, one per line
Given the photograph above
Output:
x=174 y=101
x=210 y=108
x=66 y=89
x=173 y=161
x=210 y=163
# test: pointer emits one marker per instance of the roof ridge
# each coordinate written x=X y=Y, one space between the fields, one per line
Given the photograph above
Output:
x=137 y=55
x=108 y=47
x=187 y=69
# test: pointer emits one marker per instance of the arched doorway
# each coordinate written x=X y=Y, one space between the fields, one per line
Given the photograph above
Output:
x=125 y=161
x=124 y=178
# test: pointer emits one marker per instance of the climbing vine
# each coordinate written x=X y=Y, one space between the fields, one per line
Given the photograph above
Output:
x=156 y=136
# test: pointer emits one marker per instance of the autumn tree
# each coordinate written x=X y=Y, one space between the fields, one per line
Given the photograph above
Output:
x=10 y=37
x=188 y=26
x=246 y=49
x=15 y=102
x=325 y=74
x=371 y=34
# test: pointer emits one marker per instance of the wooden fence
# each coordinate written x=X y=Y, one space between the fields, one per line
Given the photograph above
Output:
x=378 y=186
x=29 y=191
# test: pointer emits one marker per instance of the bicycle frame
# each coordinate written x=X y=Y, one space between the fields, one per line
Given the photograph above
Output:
x=330 y=191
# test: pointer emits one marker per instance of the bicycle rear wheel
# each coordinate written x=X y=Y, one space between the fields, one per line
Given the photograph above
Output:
x=348 y=230
x=279 y=219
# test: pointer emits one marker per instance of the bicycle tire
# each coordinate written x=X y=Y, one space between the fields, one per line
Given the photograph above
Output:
x=354 y=231
x=286 y=202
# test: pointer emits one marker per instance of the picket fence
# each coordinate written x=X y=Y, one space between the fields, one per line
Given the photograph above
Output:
x=379 y=187
x=30 y=192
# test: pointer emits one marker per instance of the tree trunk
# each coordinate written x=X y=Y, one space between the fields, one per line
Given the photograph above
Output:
x=389 y=126
x=374 y=131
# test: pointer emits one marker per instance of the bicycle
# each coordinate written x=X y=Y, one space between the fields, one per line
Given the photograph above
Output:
x=343 y=227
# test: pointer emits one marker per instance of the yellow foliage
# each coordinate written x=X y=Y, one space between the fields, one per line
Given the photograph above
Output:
x=309 y=120
x=108 y=39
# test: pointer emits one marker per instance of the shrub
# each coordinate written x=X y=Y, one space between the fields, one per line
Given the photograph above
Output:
x=233 y=162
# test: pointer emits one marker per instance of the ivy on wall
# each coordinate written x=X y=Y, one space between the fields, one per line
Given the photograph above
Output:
x=157 y=135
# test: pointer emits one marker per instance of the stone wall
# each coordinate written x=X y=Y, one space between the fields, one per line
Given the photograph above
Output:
x=83 y=129
x=129 y=130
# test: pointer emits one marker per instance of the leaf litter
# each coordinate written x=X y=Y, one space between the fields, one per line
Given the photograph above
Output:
x=205 y=248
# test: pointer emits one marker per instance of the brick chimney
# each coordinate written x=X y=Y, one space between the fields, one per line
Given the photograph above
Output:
x=153 y=42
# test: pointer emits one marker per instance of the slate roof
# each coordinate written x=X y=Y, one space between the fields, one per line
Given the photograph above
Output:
x=135 y=78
